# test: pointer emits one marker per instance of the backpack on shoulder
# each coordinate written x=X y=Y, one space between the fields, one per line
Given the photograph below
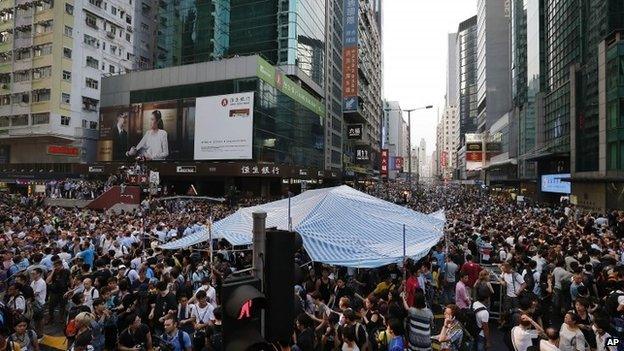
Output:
x=468 y=318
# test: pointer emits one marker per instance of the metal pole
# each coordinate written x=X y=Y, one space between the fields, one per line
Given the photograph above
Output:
x=289 y=217
x=409 y=149
x=404 y=256
x=259 y=244
x=211 y=243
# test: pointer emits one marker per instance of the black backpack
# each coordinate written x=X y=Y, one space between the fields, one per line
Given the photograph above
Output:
x=611 y=303
x=468 y=318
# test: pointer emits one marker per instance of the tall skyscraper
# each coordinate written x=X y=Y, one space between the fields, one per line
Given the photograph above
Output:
x=467 y=95
x=362 y=102
x=452 y=73
x=52 y=58
x=493 y=63
x=333 y=85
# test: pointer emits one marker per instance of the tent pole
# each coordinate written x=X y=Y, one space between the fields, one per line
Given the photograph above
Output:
x=210 y=241
x=289 y=217
x=404 y=256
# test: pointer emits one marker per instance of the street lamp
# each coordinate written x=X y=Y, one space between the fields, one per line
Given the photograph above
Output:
x=409 y=137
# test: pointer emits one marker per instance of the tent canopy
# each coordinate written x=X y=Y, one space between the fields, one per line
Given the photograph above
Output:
x=339 y=226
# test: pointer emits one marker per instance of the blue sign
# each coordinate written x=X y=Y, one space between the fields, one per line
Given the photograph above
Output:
x=553 y=183
x=350 y=103
x=350 y=34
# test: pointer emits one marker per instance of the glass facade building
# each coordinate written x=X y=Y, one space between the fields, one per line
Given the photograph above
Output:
x=191 y=31
x=283 y=32
x=467 y=54
x=563 y=38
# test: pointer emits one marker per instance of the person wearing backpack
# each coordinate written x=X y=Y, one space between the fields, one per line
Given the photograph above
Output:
x=531 y=277
x=482 y=326
x=26 y=338
x=179 y=340
x=514 y=285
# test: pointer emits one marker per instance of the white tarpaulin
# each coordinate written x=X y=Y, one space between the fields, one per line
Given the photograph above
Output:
x=339 y=226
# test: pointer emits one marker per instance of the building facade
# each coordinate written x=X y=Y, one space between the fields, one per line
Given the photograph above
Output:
x=395 y=137
x=53 y=55
x=333 y=85
x=362 y=101
x=493 y=62
x=447 y=138
x=467 y=95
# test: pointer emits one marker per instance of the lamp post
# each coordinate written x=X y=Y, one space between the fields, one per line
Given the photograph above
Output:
x=409 y=137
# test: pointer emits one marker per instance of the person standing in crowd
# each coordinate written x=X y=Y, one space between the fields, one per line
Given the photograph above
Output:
x=419 y=323
x=177 y=339
x=462 y=292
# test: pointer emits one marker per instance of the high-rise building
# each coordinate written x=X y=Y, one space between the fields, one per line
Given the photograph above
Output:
x=333 y=85
x=446 y=147
x=467 y=83
x=493 y=63
x=362 y=102
x=452 y=73
x=395 y=135
x=52 y=58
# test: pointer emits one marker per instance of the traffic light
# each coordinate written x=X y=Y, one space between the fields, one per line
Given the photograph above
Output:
x=279 y=274
x=242 y=308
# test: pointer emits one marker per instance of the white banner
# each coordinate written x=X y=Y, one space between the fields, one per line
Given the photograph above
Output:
x=224 y=127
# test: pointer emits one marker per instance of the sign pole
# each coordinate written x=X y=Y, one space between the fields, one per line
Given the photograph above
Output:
x=289 y=217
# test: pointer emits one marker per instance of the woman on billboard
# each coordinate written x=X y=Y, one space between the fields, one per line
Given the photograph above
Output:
x=154 y=144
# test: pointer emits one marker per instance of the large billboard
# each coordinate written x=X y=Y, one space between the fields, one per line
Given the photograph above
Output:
x=350 y=56
x=224 y=127
x=209 y=128
x=554 y=183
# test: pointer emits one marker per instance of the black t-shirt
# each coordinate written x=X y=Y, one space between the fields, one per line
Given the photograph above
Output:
x=129 y=339
x=163 y=305
x=102 y=276
x=344 y=292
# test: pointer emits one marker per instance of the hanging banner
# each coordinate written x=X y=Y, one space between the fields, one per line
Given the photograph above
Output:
x=398 y=164
x=384 y=163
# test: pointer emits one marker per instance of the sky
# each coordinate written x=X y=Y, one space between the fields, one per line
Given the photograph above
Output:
x=415 y=55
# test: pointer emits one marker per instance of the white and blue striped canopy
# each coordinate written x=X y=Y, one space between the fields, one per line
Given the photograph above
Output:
x=339 y=226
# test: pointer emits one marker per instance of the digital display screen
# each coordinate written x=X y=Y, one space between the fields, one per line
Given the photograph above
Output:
x=553 y=183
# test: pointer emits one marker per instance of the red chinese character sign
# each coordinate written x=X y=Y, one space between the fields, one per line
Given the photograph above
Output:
x=384 y=163
x=398 y=164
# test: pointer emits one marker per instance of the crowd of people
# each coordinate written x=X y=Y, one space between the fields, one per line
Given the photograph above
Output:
x=506 y=275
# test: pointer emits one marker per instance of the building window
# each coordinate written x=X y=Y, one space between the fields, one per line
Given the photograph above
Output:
x=93 y=125
x=21 y=76
x=22 y=54
x=84 y=123
x=6 y=16
x=65 y=120
x=97 y=3
x=91 y=41
x=44 y=49
x=91 y=21
x=67 y=53
x=21 y=98
x=19 y=120
x=93 y=63
x=5 y=121
x=69 y=9
x=129 y=19
x=65 y=98
x=41 y=118
x=91 y=83
x=42 y=72
x=114 y=10
x=128 y=37
x=44 y=27
x=111 y=69
x=67 y=76
x=5 y=100
x=89 y=104
x=69 y=31
x=41 y=95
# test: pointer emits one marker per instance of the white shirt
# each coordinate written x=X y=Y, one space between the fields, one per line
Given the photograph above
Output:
x=481 y=316
x=522 y=338
x=89 y=296
x=154 y=145
x=203 y=315
x=17 y=303
x=545 y=345
x=40 y=290
x=513 y=281
x=601 y=341
x=571 y=340
x=210 y=292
